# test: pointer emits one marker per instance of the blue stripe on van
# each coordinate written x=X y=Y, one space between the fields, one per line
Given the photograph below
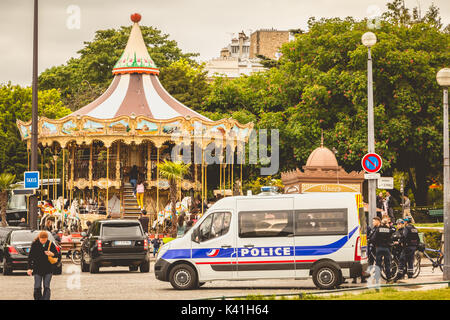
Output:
x=229 y=252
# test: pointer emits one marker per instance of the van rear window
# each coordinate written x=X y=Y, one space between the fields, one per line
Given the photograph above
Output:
x=122 y=230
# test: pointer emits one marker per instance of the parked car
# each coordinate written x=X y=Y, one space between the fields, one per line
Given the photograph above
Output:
x=15 y=248
x=111 y=243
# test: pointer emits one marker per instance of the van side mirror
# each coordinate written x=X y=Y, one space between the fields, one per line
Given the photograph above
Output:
x=195 y=236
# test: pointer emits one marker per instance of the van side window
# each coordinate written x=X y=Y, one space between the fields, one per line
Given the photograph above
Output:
x=258 y=224
x=320 y=222
x=215 y=225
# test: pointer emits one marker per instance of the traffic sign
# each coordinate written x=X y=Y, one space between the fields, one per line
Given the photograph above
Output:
x=386 y=183
x=371 y=176
x=371 y=162
x=31 y=180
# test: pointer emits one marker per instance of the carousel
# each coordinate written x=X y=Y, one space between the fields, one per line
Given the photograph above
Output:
x=134 y=123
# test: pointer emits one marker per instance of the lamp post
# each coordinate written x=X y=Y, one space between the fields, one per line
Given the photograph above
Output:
x=34 y=118
x=443 y=79
x=369 y=39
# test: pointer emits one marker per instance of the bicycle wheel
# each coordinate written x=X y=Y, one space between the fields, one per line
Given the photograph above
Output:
x=440 y=261
x=393 y=271
x=76 y=257
x=417 y=258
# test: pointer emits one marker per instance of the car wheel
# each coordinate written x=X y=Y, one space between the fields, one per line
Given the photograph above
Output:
x=6 y=270
x=133 y=268
x=58 y=270
x=84 y=266
x=326 y=276
x=145 y=267
x=183 y=277
x=93 y=268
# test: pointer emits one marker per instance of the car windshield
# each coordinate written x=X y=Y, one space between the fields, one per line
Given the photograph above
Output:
x=27 y=236
x=122 y=230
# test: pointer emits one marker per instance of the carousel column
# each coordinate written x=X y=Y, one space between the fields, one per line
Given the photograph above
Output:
x=149 y=162
x=72 y=165
x=157 y=185
x=203 y=181
x=91 y=167
x=42 y=172
x=149 y=171
x=118 y=178
x=55 y=169
x=107 y=180
x=63 y=173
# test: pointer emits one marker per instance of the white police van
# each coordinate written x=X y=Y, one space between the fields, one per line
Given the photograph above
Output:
x=271 y=236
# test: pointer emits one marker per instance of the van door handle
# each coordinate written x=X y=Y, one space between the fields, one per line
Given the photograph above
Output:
x=226 y=247
x=249 y=245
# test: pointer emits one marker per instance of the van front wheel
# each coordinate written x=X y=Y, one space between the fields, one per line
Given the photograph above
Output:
x=326 y=276
x=183 y=277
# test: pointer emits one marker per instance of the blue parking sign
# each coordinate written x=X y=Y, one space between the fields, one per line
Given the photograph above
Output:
x=31 y=180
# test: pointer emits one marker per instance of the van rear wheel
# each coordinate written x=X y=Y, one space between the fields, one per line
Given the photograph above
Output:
x=326 y=276
x=183 y=277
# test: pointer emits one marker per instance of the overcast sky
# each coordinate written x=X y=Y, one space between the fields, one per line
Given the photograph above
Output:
x=203 y=26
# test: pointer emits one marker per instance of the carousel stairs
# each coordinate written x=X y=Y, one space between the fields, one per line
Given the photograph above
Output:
x=130 y=206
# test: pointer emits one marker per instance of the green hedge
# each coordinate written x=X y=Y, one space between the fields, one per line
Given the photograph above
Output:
x=432 y=239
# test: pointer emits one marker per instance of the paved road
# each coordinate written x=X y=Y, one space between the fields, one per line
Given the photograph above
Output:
x=119 y=283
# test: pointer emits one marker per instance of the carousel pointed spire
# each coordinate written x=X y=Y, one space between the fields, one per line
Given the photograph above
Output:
x=135 y=57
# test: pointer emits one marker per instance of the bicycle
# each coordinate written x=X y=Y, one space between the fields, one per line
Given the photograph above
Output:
x=75 y=256
x=394 y=267
x=438 y=262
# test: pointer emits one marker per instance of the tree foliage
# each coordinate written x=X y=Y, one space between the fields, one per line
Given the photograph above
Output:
x=15 y=103
x=321 y=83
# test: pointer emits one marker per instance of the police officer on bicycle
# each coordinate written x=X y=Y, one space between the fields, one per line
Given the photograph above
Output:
x=409 y=241
x=382 y=238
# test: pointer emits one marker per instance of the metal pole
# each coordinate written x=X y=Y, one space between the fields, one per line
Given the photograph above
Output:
x=371 y=136
x=34 y=117
x=446 y=191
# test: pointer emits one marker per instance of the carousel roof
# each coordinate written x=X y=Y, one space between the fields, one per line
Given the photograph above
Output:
x=135 y=89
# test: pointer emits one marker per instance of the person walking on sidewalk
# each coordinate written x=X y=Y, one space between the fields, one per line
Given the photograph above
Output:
x=140 y=190
x=39 y=265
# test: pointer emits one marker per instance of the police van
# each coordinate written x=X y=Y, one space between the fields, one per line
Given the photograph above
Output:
x=271 y=236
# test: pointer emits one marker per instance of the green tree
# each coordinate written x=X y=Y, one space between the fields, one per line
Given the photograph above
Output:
x=83 y=79
x=321 y=84
x=174 y=172
x=15 y=103
x=6 y=184
x=186 y=82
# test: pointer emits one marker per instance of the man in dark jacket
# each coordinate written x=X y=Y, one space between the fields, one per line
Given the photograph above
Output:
x=39 y=265
x=382 y=238
x=409 y=241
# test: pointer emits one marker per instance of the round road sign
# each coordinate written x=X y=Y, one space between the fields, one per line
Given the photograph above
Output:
x=371 y=163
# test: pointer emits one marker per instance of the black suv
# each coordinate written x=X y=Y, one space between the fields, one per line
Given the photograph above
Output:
x=111 y=243
x=15 y=247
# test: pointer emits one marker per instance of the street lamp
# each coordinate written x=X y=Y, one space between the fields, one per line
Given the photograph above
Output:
x=443 y=79
x=369 y=39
